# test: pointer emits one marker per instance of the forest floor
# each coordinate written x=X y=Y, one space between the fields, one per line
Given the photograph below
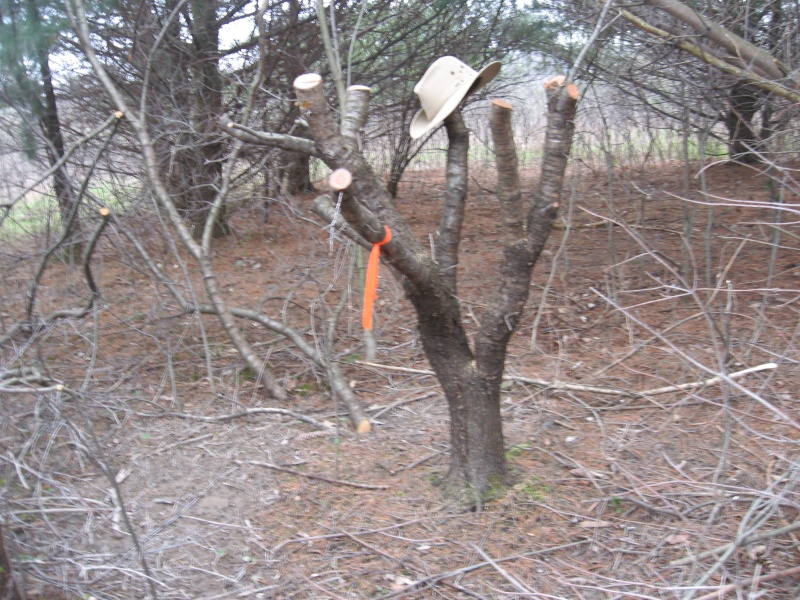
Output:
x=615 y=494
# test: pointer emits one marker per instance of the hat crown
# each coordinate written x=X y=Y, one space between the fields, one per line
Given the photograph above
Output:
x=443 y=87
x=443 y=79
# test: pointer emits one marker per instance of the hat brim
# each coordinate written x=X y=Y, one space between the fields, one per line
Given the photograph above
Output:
x=422 y=123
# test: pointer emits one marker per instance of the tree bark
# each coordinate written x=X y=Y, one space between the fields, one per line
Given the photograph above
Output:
x=46 y=109
x=742 y=138
x=401 y=158
x=8 y=586
x=206 y=95
x=455 y=197
x=182 y=64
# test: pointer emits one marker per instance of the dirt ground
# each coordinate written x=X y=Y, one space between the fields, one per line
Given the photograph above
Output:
x=616 y=493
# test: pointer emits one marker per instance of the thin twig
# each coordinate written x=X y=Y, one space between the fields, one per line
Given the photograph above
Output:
x=733 y=586
x=559 y=385
x=432 y=579
x=510 y=578
x=245 y=413
x=363 y=486
x=752 y=539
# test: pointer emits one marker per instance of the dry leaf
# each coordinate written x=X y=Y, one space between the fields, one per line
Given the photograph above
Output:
x=595 y=524
x=587 y=474
x=399 y=582
x=756 y=552
x=678 y=538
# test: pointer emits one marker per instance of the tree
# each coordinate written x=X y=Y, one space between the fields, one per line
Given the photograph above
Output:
x=737 y=68
x=201 y=250
x=749 y=50
x=470 y=376
x=168 y=55
x=747 y=44
x=28 y=31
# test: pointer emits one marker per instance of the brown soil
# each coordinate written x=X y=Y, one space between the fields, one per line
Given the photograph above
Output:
x=608 y=490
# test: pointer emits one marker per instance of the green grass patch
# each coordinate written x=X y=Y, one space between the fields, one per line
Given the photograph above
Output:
x=30 y=216
x=535 y=489
x=517 y=450
x=36 y=212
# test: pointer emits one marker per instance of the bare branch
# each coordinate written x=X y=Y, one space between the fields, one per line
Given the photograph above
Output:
x=283 y=141
x=455 y=197
x=695 y=50
x=363 y=486
x=356 y=111
x=508 y=192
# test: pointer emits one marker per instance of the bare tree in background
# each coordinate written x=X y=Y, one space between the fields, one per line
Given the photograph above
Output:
x=753 y=44
x=728 y=62
x=27 y=43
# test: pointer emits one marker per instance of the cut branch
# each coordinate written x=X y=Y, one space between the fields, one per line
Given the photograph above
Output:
x=283 y=141
x=89 y=250
x=405 y=253
x=356 y=111
x=455 y=198
x=503 y=314
x=508 y=192
x=359 y=216
x=246 y=413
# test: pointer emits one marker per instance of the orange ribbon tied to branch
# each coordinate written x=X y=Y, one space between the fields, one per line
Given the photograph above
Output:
x=371 y=283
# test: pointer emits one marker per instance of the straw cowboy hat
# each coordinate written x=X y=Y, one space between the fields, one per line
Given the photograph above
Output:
x=445 y=84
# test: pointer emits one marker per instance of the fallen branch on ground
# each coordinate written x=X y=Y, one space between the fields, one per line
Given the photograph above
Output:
x=733 y=586
x=577 y=387
x=363 y=486
x=752 y=539
x=327 y=536
x=246 y=413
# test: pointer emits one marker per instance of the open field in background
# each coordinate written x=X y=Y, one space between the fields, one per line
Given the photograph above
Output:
x=615 y=489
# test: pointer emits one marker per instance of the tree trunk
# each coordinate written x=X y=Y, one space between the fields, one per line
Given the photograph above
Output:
x=399 y=161
x=742 y=138
x=8 y=586
x=191 y=155
x=292 y=173
x=477 y=460
x=206 y=109
x=46 y=109
x=51 y=125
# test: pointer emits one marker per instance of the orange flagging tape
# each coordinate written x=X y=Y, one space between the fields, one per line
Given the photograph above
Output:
x=371 y=284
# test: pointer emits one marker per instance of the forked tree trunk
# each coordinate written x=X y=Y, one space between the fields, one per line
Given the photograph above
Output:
x=472 y=386
x=470 y=378
x=477 y=451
